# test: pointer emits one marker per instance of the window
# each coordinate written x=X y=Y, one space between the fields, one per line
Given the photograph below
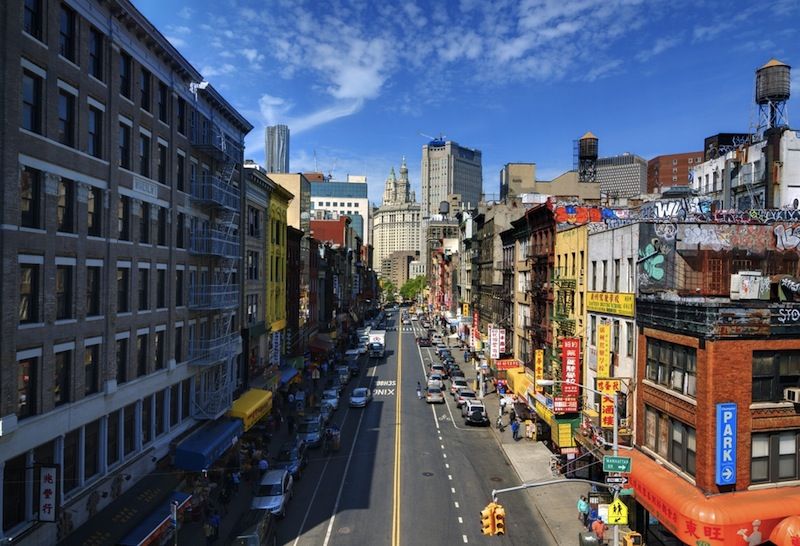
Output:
x=617 y=271
x=147 y=419
x=122 y=360
x=178 y=344
x=179 y=288
x=70 y=466
x=159 y=413
x=129 y=430
x=31 y=102
x=174 y=404
x=162 y=226
x=125 y=69
x=95 y=127
x=181 y=116
x=65 y=206
x=159 y=342
x=181 y=173
x=631 y=270
x=66 y=118
x=774 y=371
x=32 y=18
x=605 y=275
x=93 y=282
x=91 y=450
x=671 y=365
x=124 y=146
x=144 y=155
x=67 y=34
x=144 y=289
x=252 y=265
x=186 y=394
x=774 y=456
x=124 y=218
x=180 y=230
x=27 y=370
x=112 y=436
x=162 y=163
x=145 y=89
x=64 y=301
x=43 y=454
x=30 y=191
x=91 y=369
x=630 y=333
x=61 y=374
x=144 y=223
x=683 y=446
x=94 y=207
x=96 y=42
x=163 y=102
x=253 y=222
x=161 y=288
x=593 y=330
x=141 y=355
x=252 y=308
x=123 y=289
x=615 y=337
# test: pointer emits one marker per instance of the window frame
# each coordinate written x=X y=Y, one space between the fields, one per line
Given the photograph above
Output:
x=65 y=291
x=145 y=90
x=773 y=457
x=91 y=369
x=662 y=365
x=94 y=129
x=29 y=386
x=145 y=159
x=94 y=212
x=163 y=102
x=125 y=75
x=33 y=106
x=775 y=379
x=65 y=206
x=96 y=53
x=125 y=147
x=62 y=372
x=68 y=34
x=94 y=289
x=33 y=19
x=143 y=289
x=32 y=217
x=124 y=297
x=67 y=108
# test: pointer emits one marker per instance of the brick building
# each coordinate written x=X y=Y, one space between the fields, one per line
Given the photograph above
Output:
x=665 y=171
x=120 y=214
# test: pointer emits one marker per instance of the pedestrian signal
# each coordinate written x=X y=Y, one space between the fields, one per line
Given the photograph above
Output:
x=499 y=520
x=487 y=519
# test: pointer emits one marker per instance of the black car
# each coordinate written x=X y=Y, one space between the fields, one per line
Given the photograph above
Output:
x=355 y=369
x=256 y=528
x=457 y=373
x=292 y=457
x=477 y=416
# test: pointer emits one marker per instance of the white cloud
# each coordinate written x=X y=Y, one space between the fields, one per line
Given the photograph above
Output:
x=210 y=71
x=177 y=42
x=252 y=55
x=602 y=70
x=278 y=110
x=660 y=46
x=185 y=13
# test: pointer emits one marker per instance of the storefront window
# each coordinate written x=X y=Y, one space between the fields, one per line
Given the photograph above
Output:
x=129 y=430
x=91 y=449
x=112 y=451
x=147 y=417
x=13 y=492
x=44 y=454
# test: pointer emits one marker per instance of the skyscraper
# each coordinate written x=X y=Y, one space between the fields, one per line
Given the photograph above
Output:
x=277 y=148
x=396 y=224
x=448 y=168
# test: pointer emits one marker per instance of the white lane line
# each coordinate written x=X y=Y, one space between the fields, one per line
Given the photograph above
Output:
x=460 y=519
x=447 y=466
x=442 y=446
x=456 y=503
x=450 y=477
x=444 y=455
x=452 y=489
x=465 y=538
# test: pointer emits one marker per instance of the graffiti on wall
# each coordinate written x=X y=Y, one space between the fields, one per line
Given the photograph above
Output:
x=656 y=259
x=718 y=237
x=787 y=237
x=579 y=215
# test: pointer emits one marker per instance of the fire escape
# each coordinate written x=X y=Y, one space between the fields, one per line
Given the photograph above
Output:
x=215 y=349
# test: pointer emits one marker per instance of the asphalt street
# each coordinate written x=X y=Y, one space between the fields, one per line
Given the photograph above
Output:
x=407 y=473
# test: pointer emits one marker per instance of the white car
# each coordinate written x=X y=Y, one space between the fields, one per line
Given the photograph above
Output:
x=470 y=405
x=330 y=397
x=435 y=380
x=273 y=492
x=458 y=383
x=360 y=397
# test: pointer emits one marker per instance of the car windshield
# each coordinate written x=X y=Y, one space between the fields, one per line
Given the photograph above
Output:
x=359 y=393
x=307 y=428
x=467 y=394
x=434 y=391
x=269 y=490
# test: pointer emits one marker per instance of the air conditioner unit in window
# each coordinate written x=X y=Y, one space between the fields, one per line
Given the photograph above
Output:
x=792 y=394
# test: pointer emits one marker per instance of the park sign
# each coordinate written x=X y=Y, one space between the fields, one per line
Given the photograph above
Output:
x=726 y=444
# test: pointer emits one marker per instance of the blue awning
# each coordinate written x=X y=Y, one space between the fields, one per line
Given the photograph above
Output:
x=157 y=522
x=205 y=446
x=287 y=374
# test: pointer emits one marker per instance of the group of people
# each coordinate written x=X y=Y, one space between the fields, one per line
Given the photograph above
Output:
x=591 y=520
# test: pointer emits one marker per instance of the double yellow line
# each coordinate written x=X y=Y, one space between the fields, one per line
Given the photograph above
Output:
x=397 y=438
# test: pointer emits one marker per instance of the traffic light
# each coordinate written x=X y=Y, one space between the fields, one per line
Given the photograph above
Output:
x=487 y=519
x=499 y=520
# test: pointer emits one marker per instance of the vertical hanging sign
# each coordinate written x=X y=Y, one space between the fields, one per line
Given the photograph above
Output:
x=570 y=366
x=726 y=444
x=48 y=480
x=538 y=368
x=604 y=350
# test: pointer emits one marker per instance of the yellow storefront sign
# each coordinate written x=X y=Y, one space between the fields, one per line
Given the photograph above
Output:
x=604 y=349
x=564 y=435
x=538 y=368
x=544 y=413
x=251 y=407
x=612 y=303
x=607 y=386
x=465 y=309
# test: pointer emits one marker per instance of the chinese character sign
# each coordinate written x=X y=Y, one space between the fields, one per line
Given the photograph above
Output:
x=48 y=500
x=538 y=368
x=608 y=387
x=501 y=334
x=476 y=333
x=570 y=366
x=494 y=343
x=604 y=350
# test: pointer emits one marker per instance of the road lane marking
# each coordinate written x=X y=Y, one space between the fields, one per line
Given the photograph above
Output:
x=460 y=519
x=397 y=439
x=452 y=489
x=456 y=503
x=446 y=465
x=465 y=538
x=442 y=446
x=444 y=455
x=450 y=477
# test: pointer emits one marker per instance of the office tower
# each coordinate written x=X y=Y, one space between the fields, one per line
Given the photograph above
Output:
x=277 y=148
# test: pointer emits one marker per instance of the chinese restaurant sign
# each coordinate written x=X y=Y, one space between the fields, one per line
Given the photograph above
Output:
x=607 y=387
x=604 y=349
x=570 y=366
x=611 y=303
x=538 y=368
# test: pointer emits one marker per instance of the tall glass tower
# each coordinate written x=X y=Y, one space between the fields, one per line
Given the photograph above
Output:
x=277 y=147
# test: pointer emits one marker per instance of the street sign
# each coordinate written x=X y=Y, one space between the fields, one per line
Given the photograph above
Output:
x=726 y=444
x=612 y=463
x=616 y=479
x=617 y=513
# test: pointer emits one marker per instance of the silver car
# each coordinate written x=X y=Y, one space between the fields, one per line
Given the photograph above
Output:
x=434 y=395
x=331 y=398
x=273 y=492
x=435 y=380
x=360 y=397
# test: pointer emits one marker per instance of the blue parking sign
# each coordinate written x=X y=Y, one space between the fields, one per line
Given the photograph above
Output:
x=726 y=444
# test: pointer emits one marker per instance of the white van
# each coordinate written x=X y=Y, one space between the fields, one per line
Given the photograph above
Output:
x=436 y=338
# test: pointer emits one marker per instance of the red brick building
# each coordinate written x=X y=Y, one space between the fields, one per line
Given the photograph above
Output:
x=665 y=171
x=719 y=342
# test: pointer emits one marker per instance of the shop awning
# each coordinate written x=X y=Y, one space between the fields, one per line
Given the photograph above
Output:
x=287 y=374
x=204 y=447
x=153 y=528
x=691 y=516
x=321 y=342
x=251 y=407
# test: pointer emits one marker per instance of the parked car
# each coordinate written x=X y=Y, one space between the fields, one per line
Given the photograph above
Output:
x=273 y=492
x=360 y=397
x=344 y=373
x=256 y=528
x=464 y=395
x=310 y=432
x=438 y=368
x=325 y=412
x=457 y=373
x=476 y=416
x=292 y=458
x=458 y=383
x=435 y=380
x=354 y=367
x=334 y=382
x=434 y=395
x=423 y=341
x=331 y=398
x=470 y=404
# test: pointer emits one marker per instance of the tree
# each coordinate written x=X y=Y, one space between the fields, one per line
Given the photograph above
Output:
x=389 y=291
x=412 y=288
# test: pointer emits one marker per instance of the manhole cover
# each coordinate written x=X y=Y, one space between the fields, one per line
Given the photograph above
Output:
x=427 y=474
x=344 y=530
x=495 y=479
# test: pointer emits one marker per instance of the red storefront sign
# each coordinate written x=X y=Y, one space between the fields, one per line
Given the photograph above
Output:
x=570 y=366
x=475 y=325
x=508 y=364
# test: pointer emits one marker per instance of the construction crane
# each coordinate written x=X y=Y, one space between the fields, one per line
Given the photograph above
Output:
x=440 y=137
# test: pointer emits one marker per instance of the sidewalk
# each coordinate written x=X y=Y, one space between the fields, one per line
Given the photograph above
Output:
x=531 y=461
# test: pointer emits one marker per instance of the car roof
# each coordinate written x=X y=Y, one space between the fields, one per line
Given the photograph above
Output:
x=274 y=476
x=363 y=389
x=467 y=392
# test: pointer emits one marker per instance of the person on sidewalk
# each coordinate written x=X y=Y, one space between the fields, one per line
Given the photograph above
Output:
x=215 y=521
x=599 y=528
x=583 y=510
x=515 y=429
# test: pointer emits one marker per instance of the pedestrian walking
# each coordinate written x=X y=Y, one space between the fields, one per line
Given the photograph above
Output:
x=515 y=429
x=502 y=405
x=215 y=521
x=599 y=528
x=512 y=413
x=583 y=510
x=419 y=391
x=290 y=399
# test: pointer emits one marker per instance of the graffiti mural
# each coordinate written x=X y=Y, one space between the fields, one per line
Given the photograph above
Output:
x=656 y=257
x=718 y=237
x=579 y=215
x=691 y=208
x=787 y=237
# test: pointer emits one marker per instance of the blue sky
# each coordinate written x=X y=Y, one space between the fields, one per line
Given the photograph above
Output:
x=358 y=81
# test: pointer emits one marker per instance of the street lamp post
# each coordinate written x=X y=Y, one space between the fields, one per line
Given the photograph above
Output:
x=615 y=430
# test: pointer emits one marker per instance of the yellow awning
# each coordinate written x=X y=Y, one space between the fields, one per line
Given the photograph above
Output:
x=251 y=407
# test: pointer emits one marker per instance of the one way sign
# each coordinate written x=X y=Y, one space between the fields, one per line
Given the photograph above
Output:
x=726 y=444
